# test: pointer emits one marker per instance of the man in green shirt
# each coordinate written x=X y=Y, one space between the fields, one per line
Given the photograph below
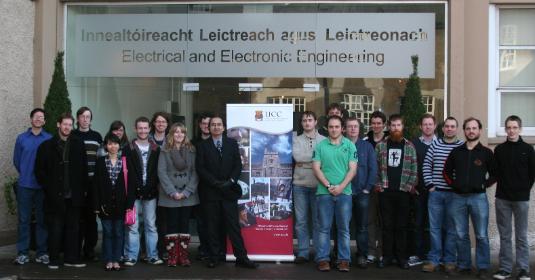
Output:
x=334 y=165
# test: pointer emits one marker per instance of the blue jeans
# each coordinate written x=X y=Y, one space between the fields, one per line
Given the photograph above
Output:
x=305 y=204
x=112 y=239
x=475 y=206
x=148 y=212
x=27 y=199
x=361 y=202
x=338 y=207
x=443 y=248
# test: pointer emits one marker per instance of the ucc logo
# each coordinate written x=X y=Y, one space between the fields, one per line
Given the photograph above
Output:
x=259 y=115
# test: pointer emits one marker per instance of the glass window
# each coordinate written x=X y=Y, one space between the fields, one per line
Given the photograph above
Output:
x=125 y=98
x=515 y=91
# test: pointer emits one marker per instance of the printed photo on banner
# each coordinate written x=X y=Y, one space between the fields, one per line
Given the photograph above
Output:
x=271 y=155
x=280 y=190
x=247 y=217
x=240 y=134
x=243 y=182
x=280 y=210
x=260 y=197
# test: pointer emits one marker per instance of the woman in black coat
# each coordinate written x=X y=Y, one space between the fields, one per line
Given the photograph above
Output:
x=112 y=199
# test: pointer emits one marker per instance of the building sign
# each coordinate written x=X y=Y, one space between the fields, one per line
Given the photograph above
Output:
x=359 y=45
x=264 y=136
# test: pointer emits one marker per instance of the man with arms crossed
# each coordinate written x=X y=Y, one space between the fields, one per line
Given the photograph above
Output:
x=334 y=165
x=361 y=186
x=442 y=248
x=466 y=172
x=515 y=162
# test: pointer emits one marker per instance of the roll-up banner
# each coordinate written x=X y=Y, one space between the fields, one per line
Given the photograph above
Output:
x=264 y=135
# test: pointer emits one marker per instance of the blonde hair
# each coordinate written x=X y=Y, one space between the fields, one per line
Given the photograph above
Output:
x=170 y=139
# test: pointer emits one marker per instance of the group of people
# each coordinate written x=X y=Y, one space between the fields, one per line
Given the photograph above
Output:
x=410 y=199
x=160 y=177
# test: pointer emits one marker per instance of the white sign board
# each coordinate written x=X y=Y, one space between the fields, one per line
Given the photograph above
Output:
x=360 y=45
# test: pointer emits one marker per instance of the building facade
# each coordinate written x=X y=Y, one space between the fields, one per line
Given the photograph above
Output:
x=125 y=59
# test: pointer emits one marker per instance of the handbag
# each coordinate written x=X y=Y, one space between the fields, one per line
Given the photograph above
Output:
x=130 y=216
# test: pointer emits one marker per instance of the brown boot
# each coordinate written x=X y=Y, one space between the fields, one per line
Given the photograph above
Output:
x=171 y=243
x=182 y=249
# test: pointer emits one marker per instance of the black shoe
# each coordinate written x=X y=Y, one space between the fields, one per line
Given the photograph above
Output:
x=483 y=274
x=381 y=263
x=300 y=260
x=211 y=263
x=362 y=262
x=246 y=263
x=404 y=264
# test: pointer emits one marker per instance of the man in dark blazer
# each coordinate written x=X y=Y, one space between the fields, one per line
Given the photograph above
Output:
x=219 y=166
x=61 y=168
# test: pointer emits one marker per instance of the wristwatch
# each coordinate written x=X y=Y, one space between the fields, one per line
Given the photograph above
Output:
x=329 y=185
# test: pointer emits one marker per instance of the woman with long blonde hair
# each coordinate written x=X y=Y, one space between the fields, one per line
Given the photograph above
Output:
x=178 y=192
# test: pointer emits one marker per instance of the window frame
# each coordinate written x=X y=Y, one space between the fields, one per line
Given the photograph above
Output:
x=496 y=128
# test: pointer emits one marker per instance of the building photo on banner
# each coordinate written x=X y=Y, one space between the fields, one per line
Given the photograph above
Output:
x=266 y=219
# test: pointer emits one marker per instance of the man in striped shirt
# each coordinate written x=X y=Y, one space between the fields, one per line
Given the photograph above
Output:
x=92 y=141
x=440 y=195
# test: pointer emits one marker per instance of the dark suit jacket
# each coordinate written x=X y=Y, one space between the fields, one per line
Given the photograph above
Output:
x=213 y=167
x=49 y=171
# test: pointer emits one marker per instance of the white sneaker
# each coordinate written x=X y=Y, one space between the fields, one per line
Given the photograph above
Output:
x=44 y=259
x=21 y=259
x=74 y=264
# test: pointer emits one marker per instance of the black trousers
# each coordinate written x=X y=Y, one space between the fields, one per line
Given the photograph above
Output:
x=177 y=219
x=218 y=214
x=64 y=233
x=88 y=231
x=204 y=250
x=395 y=216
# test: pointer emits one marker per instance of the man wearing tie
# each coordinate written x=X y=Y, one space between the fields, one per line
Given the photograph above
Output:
x=219 y=166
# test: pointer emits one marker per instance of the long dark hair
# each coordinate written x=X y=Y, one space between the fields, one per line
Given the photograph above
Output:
x=115 y=125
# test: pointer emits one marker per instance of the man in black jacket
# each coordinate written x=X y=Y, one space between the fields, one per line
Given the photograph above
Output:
x=144 y=155
x=466 y=172
x=61 y=168
x=515 y=162
x=219 y=167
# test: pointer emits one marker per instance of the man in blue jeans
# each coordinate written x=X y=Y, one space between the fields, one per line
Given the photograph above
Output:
x=29 y=193
x=144 y=158
x=334 y=165
x=441 y=231
x=361 y=186
x=305 y=185
x=466 y=172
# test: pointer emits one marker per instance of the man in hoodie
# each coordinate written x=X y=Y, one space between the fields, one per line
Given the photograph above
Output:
x=515 y=162
x=144 y=156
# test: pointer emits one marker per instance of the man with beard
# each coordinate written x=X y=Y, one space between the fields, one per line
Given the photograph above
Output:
x=396 y=182
x=441 y=230
x=204 y=133
x=61 y=168
x=466 y=172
